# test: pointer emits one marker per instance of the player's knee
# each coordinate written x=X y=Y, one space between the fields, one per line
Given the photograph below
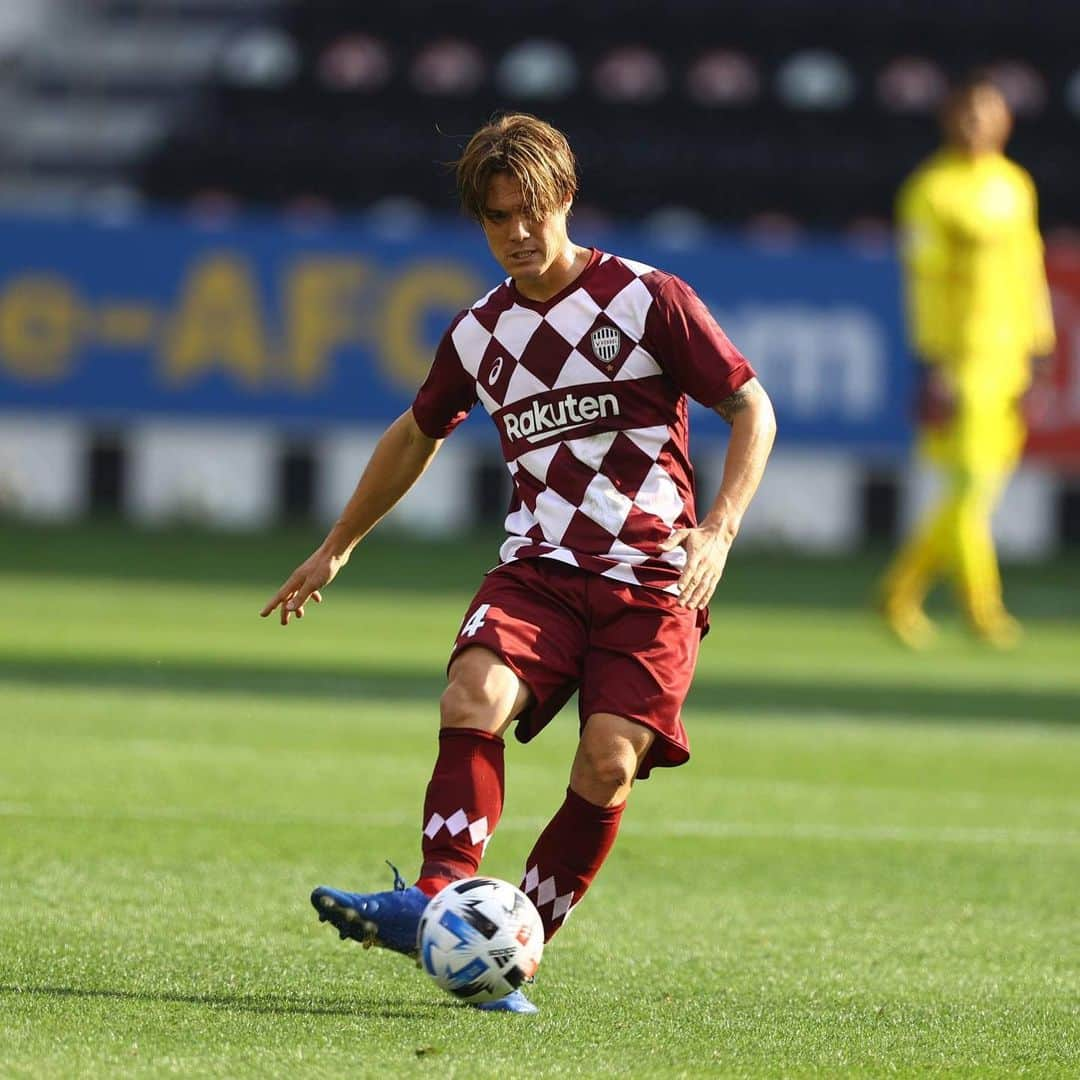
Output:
x=604 y=767
x=463 y=704
x=481 y=693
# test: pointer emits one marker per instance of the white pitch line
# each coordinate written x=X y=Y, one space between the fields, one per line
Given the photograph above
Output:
x=719 y=830
x=951 y=797
x=943 y=834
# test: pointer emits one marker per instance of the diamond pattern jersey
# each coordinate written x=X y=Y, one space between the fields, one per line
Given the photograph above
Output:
x=588 y=393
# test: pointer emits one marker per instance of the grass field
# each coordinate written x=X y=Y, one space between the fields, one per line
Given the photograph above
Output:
x=870 y=867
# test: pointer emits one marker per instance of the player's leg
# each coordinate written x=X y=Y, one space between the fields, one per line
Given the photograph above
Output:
x=955 y=539
x=642 y=650
x=464 y=797
x=976 y=576
x=909 y=577
x=528 y=617
x=993 y=440
x=497 y=659
x=572 y=848
x=924 y=556
x=609 y=755
x=461 y=807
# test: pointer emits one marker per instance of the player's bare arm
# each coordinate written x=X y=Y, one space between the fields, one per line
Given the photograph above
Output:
x=399 y=460
x=753 y=429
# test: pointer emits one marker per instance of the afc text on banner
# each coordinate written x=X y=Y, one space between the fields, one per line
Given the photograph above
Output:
x=309 y=328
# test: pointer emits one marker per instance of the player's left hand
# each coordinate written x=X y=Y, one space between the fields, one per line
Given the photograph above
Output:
x=707 y=548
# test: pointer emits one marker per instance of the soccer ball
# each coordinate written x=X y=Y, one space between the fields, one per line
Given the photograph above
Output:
x=480 y=939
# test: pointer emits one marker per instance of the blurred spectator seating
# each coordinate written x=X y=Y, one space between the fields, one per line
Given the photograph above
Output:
x=763 y=108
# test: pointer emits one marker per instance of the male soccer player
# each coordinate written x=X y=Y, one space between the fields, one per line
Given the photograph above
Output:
x=979 y=311
x=584 y=361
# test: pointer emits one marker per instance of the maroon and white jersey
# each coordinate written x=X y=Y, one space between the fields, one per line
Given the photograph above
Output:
x=588 y=393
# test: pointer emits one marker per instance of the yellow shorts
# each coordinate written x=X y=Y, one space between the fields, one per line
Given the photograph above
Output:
x=986 y=432
x=981 y=437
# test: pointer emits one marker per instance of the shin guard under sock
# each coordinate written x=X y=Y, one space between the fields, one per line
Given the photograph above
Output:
x=567 y=856
x=461 y=807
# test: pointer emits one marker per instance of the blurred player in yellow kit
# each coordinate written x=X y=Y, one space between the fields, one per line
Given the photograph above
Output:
x=978 y=314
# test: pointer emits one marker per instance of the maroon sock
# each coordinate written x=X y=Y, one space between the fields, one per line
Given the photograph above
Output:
x=567 y=857
x=462 y=806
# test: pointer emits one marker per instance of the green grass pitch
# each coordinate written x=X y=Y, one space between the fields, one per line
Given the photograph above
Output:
x=870 y=867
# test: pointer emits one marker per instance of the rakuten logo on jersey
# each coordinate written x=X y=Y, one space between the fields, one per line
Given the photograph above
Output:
x=538 y=421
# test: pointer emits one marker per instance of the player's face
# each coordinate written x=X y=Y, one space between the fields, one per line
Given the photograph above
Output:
x=528 y=249
x=979 y=121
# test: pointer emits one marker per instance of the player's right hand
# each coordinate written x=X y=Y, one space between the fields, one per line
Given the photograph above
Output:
x=304 y=584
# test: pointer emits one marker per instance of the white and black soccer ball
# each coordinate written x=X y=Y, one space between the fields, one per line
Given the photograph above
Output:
x=480 y=938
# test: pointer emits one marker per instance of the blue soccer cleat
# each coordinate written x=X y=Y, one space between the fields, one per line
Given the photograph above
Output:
x=388 y=919
x=516 y=1002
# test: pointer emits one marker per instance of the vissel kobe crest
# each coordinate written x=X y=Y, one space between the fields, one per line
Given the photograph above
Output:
x=605 y=343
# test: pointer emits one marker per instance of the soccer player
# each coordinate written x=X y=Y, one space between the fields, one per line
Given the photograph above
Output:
x=584 y=361
x=979 y=311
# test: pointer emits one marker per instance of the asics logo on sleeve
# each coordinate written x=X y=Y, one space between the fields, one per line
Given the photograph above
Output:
x=496 y=371
x=536 y=421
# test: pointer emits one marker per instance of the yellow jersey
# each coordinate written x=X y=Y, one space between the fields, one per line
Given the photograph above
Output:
x=976 y=290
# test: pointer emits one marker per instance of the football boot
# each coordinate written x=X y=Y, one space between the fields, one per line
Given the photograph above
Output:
x=516 y=1002
x=389 y=919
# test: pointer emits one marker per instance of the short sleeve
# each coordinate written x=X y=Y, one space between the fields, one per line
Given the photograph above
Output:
x=448 y=393
x=687 y=343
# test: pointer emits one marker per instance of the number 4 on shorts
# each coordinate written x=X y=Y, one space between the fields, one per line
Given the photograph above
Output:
x=474 y=621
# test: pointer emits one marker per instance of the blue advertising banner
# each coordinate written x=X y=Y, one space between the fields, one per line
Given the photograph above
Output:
x=310 y=327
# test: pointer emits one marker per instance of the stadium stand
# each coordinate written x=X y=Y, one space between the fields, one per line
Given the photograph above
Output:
x=769 y=109
x=771 y=117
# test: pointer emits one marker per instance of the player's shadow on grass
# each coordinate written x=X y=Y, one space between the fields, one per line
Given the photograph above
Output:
x=399 y=1010
x=725 y=696
x=871 y=701
x=194 y=677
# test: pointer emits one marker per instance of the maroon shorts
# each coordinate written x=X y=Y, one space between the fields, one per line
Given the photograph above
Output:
x=629 y=650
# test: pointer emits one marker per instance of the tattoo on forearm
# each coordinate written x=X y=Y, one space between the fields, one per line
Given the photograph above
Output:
x=736 y=403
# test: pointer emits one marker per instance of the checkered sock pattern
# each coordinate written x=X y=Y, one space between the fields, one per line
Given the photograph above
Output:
x=567 y=856
x=462 y=806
